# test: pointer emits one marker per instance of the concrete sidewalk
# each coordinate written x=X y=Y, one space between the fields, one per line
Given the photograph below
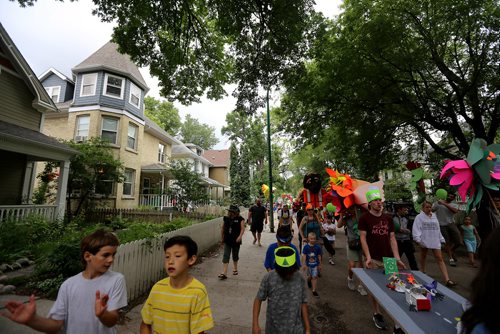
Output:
x=231 y=300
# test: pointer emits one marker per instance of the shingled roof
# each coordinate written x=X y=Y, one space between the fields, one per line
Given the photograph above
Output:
x=219 y=158
x=108 y=58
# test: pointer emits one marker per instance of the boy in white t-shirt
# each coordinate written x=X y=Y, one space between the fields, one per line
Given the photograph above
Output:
x=329 y=238
x=87 y=302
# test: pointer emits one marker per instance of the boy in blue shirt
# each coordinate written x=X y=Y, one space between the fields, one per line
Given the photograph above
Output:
x=284 y=238
x=311 y=259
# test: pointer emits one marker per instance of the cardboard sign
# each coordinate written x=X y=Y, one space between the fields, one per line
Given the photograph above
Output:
x=390 y=265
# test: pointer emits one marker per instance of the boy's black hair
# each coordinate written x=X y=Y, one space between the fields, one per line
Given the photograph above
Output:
x=283 y=234
x=182 y=240
x=93 y=242
x=285 y=272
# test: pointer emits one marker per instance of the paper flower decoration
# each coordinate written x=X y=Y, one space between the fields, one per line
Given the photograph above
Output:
x=480 y=170
x=348 y=191
x=341 y=188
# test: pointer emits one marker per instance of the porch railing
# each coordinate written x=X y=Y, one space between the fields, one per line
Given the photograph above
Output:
x=18 y=212
x=157 y=201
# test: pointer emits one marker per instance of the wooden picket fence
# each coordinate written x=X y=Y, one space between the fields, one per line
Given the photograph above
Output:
x=103 y=215
x=141 y=261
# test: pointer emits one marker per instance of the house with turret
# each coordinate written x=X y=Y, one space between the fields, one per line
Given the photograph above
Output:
x=105 y=98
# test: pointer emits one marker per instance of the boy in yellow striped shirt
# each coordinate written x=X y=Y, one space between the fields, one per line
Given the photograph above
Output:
x=179 y=303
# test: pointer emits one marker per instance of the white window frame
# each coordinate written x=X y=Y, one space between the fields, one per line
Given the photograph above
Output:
x=161 y=153
x=136 y=135
x=50 y=90
x=135 y=91
x=105 y=86
x=111 y=130
x=129 y=181
x=79 y=131
x=89 y=79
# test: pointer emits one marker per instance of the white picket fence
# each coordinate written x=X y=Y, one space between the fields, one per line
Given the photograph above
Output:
x=141 y=261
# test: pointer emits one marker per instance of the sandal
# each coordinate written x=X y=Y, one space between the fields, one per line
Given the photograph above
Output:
x=235 y=272
x=222 y=277
x=450 y=283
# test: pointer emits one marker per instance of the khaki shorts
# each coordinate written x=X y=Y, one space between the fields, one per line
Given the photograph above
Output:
x=376 y=264
x=355 y=256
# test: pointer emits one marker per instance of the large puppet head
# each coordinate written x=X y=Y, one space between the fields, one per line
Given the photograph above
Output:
x=312 y=182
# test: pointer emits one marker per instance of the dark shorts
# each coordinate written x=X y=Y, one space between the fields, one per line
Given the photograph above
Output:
x=231 y=249
x=451 y=234
x=257 y=227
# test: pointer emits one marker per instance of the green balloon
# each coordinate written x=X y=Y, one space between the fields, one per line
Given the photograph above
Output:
x=331 y=208
x=441 y=194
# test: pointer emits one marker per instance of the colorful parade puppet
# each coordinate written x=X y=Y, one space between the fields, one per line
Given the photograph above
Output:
x=312 y=193
x=347 y=191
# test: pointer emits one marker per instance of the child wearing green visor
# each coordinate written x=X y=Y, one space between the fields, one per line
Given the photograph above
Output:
x=285 y=290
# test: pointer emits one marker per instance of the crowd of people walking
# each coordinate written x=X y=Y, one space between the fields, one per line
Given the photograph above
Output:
x=180 y=302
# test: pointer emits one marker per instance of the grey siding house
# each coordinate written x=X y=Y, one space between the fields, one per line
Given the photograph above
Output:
x=25 y=104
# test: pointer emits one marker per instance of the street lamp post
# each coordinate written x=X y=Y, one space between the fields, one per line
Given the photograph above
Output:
x=271 y=223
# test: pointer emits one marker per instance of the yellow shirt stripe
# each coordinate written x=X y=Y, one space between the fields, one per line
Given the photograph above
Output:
x=185 y=310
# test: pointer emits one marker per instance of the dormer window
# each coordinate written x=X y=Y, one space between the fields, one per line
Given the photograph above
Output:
x=89 y=82
x=135 y=95
x=54 y=93
x=113 y=86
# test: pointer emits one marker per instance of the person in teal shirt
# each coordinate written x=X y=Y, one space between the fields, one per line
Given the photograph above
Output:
x=471 y=239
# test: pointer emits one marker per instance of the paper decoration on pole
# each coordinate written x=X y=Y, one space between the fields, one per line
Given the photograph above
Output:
x=347 y=191
x=331 y=208
x=417 y=182
x=480 y=172
x=441 y=194
x=265 y=190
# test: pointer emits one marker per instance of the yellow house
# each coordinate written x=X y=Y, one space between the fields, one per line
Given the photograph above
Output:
x=105 y=98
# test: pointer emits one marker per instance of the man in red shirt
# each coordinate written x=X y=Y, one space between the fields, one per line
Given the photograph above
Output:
x=376 y=231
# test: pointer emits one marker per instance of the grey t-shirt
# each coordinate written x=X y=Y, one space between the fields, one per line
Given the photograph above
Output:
x=285 y=299
x=403 y=223
x=443 y=214
x=75 y=303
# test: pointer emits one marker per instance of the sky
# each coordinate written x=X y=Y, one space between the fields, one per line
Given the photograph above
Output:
x=63 y=34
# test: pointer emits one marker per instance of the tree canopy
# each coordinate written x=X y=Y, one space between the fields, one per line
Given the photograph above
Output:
x=196 y=47
x=194 y=132
x=164 y=114
x=392 y=72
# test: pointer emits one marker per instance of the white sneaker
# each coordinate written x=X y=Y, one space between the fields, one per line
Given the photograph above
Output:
x=362 y=290
x=350 y=284
x=331 y=261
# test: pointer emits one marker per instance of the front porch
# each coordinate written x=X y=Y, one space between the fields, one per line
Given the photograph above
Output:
x=19 y=212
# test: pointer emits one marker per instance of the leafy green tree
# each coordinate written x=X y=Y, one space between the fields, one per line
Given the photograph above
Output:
x=235 y=174
x=196 y=47
x=249 y=130
x=244 y=176
x=187 y=186
x=397 y=70
x=203 y=135
x=164 y=114
x=93 y=174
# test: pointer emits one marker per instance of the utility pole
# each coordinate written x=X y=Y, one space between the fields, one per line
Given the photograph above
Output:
x=271 y=212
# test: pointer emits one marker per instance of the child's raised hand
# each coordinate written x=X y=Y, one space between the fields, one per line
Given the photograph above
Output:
x=19 y=311
x=101 y=303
